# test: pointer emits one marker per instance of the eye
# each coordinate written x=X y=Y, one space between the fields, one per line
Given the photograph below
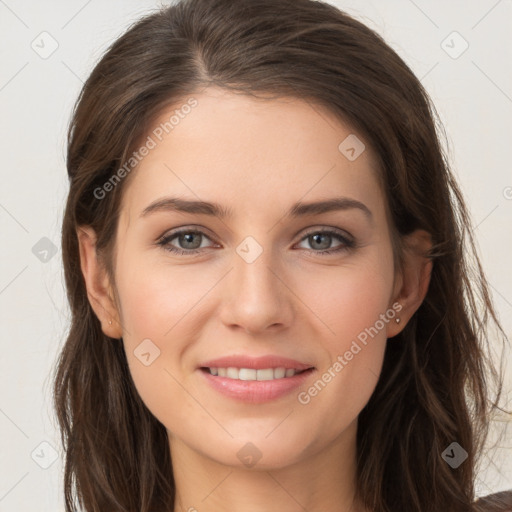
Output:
x=189 y=239
x=321 y=239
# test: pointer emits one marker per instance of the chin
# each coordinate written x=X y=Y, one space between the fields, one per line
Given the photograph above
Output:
x=257 y=452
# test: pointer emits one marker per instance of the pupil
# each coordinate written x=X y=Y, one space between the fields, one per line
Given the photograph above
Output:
x=319 y=235
x=188 y=237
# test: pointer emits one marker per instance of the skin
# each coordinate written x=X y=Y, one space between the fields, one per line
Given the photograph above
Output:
x=256 y=157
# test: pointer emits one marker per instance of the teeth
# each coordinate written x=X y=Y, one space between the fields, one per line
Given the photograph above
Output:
x=251 y=374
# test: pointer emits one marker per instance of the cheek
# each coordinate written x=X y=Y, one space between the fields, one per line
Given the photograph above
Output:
x=156 y=298
x=351 y=298
x=159 y=314
x=353 y=304
x=151 y=355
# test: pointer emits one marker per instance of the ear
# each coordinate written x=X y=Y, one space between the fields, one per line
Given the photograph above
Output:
x=99 y=289
x=413 y=279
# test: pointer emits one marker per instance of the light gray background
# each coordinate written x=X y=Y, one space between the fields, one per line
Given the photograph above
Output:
x=473 y=94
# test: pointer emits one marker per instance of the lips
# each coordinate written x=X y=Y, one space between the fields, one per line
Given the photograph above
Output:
x=255 y=391
x=255 y=380
x=256 y=363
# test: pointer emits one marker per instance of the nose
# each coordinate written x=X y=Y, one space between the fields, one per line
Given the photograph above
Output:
x=257 y=296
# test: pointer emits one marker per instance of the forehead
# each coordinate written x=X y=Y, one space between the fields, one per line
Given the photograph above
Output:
x=251 y=152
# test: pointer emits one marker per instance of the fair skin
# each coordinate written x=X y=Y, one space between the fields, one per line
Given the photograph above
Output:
x=257 y=158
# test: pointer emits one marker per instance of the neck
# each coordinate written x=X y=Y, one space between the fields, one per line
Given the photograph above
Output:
x=323 y=480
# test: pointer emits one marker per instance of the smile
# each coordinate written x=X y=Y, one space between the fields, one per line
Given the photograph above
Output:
x=253 y=374
x=255 y=386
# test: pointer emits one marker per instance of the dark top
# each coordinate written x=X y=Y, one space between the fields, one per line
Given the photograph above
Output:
x=499 y=502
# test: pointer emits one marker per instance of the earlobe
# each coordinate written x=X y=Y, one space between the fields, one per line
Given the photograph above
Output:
x=414 y=279
x=99 y=291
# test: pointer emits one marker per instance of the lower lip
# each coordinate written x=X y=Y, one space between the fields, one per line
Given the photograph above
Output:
x=256 y=391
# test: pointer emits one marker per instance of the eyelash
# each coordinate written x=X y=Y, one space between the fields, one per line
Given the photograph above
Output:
x=347 y=243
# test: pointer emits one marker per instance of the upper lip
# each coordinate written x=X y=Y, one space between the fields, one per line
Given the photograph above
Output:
x=256 y=363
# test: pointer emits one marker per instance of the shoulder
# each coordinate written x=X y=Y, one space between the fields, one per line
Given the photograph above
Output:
x=499 y=502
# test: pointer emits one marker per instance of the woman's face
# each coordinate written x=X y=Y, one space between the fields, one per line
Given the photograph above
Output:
x=258 y=283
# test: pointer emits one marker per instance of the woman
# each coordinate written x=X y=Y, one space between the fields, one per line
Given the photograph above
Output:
x=255 y=369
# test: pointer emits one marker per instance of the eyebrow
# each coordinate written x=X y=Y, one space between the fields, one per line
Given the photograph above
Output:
x=176 y=204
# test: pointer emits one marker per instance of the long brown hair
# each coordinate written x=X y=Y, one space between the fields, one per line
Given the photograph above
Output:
x=434 y=388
